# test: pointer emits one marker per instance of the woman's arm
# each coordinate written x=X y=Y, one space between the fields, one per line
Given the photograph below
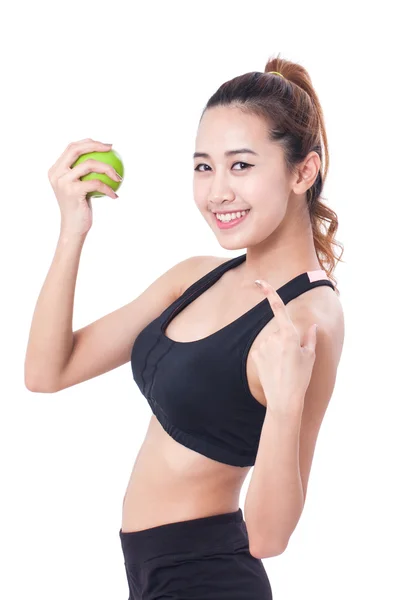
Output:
x=278 y=486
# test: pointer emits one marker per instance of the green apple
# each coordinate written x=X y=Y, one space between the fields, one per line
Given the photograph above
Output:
x=111 y=158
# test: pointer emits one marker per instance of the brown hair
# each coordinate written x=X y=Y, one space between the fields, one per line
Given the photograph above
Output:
x=291 y=107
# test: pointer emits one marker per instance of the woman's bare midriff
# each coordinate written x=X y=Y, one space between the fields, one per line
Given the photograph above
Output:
x=171 y=483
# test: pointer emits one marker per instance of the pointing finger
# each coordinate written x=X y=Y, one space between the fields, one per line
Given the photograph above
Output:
x=277 y=305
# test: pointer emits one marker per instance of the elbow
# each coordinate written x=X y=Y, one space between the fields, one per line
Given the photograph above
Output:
x=36 y=383
x=38 y=388
x=268 y=550
x=266 y=542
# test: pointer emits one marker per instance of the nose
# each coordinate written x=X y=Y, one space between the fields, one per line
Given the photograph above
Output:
x=220 y=192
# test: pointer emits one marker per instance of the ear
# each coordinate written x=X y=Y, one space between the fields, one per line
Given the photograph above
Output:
x=307 y=173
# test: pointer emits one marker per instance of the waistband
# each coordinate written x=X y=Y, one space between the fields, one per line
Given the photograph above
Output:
x=227 y=530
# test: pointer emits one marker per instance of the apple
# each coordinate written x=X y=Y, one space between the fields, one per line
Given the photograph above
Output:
x=111 y=158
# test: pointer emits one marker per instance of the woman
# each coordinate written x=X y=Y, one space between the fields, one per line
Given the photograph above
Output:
x=235 y=373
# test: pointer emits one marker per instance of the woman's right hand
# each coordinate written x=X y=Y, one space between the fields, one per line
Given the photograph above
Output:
x=76 y=209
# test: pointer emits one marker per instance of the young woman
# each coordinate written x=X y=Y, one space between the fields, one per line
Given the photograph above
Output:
x=235 y=372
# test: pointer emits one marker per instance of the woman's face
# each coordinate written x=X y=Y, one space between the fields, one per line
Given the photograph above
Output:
x=224 y=183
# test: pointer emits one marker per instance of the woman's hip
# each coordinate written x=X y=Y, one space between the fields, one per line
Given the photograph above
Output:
x=200 y=558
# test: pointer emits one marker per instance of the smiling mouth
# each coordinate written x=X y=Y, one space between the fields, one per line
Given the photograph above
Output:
x=228 y=220
x=228 y=216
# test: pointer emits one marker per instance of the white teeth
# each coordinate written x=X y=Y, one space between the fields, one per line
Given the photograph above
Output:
x=226 y=217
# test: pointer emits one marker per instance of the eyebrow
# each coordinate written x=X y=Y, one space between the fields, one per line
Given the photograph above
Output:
x=227 y=153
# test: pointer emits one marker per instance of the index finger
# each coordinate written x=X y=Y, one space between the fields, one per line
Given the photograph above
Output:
x=278 y=306
x=76 y=149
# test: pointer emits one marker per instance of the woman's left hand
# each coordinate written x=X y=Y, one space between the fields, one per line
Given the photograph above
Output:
x=284 y=366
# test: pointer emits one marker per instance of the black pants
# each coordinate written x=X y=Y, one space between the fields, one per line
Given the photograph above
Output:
x=199 y=559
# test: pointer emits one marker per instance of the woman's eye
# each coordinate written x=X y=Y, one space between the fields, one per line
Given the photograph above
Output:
x=246 y=165
x=241 y=163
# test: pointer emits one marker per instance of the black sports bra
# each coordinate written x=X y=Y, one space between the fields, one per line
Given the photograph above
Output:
x=199 y=390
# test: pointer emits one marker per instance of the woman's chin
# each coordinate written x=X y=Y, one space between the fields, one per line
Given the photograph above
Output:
x=231 y=244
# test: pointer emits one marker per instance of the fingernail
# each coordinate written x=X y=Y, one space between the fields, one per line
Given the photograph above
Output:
x=258 y=282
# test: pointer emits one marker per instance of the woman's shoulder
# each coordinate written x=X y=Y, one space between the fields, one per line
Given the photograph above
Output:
x=198 y=266
x=320 y=305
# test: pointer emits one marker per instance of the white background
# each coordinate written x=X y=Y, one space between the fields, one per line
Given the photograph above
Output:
x=138 y=75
